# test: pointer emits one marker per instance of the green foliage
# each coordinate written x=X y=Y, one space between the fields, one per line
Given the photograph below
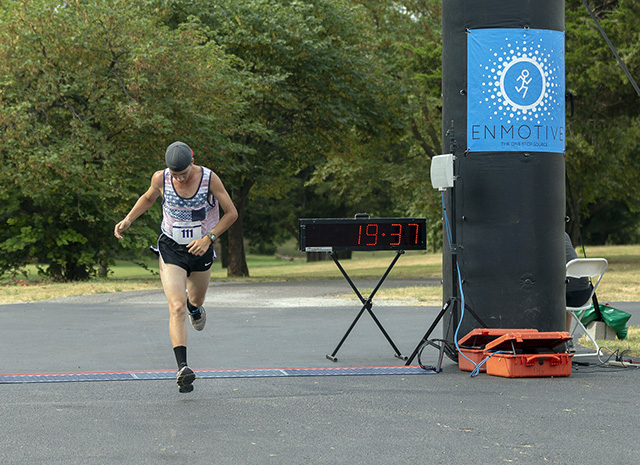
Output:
x=390 y=176
x=316 y=89
x=309 y=80
x=323 y=108
x=603 y=136
x=90 y=94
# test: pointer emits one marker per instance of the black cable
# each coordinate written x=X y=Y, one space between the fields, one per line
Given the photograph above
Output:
x=624 y=68
x=424 y=367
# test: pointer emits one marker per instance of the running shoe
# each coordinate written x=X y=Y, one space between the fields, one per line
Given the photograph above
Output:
x=198 y=318
x=185 y=376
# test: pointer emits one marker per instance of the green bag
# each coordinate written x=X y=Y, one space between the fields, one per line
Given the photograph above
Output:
x=614 y=318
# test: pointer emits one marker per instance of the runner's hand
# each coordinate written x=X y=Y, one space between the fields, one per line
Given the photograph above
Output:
x=120 y=227
x=199 y=246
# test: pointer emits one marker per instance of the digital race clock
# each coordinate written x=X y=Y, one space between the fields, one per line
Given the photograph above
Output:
x=328 y=234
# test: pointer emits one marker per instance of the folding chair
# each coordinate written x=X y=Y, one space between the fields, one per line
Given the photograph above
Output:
x=586 y=268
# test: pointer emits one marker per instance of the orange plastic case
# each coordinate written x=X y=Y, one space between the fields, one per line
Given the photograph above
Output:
x=474 y=343
x=526 y=355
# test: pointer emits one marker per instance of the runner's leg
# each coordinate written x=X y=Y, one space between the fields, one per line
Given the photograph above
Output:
x=197 y=285
x=174 y=282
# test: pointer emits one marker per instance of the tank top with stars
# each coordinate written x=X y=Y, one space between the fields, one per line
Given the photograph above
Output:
x=186 y=219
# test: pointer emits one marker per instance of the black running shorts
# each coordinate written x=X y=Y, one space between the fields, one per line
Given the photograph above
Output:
x=176 y=254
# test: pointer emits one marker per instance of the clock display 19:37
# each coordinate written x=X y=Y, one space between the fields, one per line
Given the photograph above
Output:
x=326 y=234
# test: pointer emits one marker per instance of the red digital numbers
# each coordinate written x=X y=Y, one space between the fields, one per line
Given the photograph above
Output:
x=371 y=234
x=399 y=234
x=371 y=231
x=417 y=231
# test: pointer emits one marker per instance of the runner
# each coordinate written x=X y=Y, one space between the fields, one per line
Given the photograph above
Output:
x=190 y=224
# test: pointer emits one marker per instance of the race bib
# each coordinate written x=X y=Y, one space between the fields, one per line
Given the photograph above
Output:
x=186 y=231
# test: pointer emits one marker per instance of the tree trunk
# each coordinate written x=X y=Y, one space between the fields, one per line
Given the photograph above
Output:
x=237 y=258
x=224 y=250
x=103 y=264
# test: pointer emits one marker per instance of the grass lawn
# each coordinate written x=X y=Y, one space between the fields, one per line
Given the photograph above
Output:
x=127 y=276
x=620 y=283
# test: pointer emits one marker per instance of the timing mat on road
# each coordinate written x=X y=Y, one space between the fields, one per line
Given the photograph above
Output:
x=213 y=374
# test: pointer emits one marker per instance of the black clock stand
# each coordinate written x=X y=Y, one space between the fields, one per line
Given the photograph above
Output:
x=367 y=304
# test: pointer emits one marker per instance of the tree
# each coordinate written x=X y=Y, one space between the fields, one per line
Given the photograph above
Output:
x=392 y=177
x=90 y=94
x=315 y=90
x=275 y=220
x=603 y=136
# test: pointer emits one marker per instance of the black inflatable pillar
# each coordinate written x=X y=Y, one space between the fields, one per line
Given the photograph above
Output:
x=503 y=93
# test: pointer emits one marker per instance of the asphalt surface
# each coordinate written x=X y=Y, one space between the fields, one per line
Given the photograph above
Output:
x=590 y=417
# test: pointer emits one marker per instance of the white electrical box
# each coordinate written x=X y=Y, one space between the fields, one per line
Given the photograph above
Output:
x=442 y=171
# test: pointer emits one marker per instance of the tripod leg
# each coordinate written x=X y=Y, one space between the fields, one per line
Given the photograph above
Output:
x=367 y=304
x=386 y=273
x=444 y=344
x=346 y=276
x=425 y=338
x=333 y=357
x=397 y=352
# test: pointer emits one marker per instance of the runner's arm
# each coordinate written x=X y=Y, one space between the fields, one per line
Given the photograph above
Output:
x=199 y=246
x=143 y=204
x=230 y=211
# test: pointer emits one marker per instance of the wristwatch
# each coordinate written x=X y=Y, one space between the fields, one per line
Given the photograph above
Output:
x=211 y=236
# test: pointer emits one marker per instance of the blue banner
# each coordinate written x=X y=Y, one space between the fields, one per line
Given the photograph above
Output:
x=515 y=86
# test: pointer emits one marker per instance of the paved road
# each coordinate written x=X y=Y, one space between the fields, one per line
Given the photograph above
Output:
x=590 y=417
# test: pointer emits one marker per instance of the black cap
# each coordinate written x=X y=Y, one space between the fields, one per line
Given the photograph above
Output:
x=178 y=156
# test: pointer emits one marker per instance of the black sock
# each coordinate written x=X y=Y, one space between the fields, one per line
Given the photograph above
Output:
x=191 y=307
x=181 y=356
x=196 y=315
